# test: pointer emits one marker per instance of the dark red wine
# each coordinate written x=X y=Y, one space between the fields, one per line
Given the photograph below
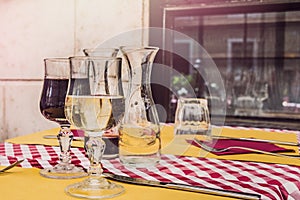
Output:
x=53 y=100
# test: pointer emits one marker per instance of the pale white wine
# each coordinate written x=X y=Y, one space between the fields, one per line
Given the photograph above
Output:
x=139 y=144
x=95 y=113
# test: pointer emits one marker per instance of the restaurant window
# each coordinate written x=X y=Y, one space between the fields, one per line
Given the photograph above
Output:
x=254 y=44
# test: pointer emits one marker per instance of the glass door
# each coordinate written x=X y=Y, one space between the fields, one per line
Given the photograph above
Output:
x=256 y=48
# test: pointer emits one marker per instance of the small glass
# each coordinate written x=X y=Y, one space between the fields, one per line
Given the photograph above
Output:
x=52 y=104
x=192 y=118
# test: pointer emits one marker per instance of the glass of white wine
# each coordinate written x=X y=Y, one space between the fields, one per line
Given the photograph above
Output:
x=95 y=103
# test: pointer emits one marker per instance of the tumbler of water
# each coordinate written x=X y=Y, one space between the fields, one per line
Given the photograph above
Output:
x=192 y=117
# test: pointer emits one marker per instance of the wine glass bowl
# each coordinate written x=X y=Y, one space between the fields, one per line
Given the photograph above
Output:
x=102 y=52
x=52 y=104
x=96 y=109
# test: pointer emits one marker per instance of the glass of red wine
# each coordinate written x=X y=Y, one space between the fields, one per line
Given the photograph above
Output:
x=52 y=103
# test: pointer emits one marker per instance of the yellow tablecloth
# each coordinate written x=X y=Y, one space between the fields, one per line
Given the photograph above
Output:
x=21 y=183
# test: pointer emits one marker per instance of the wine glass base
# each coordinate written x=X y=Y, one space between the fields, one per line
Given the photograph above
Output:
x=63 y=171
x=94 y=188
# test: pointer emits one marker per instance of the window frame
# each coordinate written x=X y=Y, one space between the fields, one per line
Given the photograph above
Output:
x=162 y=15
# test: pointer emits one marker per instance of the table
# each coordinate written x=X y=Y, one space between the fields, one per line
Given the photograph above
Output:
x=26 y=183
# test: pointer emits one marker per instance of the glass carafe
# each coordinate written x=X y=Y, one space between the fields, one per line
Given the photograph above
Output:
x=139 y=143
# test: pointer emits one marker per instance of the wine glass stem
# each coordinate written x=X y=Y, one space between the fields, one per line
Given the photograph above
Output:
x=65 y=137
x=95 y=148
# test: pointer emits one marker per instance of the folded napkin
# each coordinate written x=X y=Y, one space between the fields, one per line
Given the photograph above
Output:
x=77 y=132
x=224 y=143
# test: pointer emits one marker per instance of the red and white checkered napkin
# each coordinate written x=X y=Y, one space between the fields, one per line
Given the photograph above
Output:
x=272 y=181
x=38 y=156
